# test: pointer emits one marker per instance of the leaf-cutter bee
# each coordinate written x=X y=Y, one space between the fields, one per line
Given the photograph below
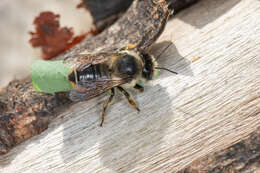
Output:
x=96 y=73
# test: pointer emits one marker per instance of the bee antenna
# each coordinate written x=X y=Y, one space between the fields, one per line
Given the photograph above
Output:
x=164 y=50
x=162 y=68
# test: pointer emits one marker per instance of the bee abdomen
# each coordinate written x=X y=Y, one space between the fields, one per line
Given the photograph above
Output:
x=90 y=73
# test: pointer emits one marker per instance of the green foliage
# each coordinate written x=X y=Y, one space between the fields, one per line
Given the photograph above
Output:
x=50 y=76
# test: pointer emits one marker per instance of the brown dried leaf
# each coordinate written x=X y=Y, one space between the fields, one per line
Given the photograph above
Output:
x=49 y=36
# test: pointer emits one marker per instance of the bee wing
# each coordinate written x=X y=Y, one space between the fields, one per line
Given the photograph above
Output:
x=87 y=90
x=83 y=60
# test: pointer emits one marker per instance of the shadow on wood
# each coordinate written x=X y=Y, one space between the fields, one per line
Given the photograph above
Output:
x=206 y=11
x=171 y=57
x=141 y=136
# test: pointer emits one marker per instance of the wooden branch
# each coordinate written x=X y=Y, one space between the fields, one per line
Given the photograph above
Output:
x=106 y=12
x=212 y=105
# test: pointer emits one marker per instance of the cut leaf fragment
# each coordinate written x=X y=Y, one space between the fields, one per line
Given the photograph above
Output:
x=50 y=76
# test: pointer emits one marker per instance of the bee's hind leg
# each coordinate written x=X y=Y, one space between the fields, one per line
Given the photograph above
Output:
x=105 y=105
x=128 y=97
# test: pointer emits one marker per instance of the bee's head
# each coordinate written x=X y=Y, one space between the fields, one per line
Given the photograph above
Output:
x=149 y=66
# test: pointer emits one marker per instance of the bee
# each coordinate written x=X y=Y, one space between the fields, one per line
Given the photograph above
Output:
x=106 y=71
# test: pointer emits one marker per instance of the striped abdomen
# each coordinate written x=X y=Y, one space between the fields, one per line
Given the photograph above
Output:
x=88 y=74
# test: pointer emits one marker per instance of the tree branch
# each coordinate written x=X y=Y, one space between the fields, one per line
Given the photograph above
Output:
x=106 y=12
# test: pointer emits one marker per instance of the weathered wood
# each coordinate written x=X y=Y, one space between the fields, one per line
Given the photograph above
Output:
x=212 y=104
x=243 y=156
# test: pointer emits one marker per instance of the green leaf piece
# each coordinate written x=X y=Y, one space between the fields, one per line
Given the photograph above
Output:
x=50 y=76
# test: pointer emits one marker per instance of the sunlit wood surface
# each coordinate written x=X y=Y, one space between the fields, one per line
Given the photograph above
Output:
x=211 y=104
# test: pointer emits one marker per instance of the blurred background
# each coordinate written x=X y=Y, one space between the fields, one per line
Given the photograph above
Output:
x=16 y=16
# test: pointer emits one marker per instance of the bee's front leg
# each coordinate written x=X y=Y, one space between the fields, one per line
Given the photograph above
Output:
x=106 y=103
x=128 y=97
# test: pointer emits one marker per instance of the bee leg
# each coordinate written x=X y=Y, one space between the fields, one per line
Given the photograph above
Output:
x=128 y=97
x=139 y=88
x=106 y=103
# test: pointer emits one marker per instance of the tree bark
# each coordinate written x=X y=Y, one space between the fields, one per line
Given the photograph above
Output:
x=106 y=12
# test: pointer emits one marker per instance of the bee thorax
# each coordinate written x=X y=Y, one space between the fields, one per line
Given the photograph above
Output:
x=127 y=65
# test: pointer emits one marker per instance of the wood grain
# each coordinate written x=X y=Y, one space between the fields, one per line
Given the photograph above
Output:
x=212 y=104
x=243 y=156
